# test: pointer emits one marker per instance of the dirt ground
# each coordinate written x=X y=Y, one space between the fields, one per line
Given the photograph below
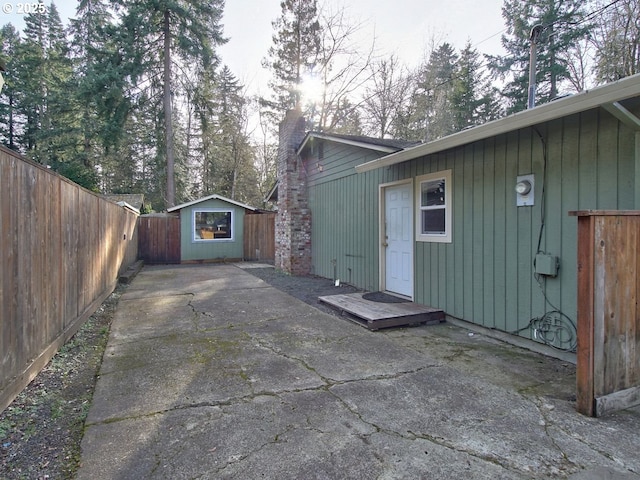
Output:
x=41 y=431
x=307 y=289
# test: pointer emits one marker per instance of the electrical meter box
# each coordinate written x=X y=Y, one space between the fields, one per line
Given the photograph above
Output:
x=546 y=265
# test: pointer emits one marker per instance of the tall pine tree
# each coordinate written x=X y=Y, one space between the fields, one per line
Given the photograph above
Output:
x=294 y=53
x=429 y=114
x=162 y=34
x=617 y=40
x=101 y=76
x=562 y=24
x=473 y=99
x=9 y=121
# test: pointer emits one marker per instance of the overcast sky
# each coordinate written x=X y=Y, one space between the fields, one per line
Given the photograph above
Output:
x=404 y=27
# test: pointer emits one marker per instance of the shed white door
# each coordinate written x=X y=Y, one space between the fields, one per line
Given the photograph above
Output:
x=399 y=239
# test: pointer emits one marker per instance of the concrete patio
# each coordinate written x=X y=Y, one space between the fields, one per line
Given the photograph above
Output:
x=212 y=373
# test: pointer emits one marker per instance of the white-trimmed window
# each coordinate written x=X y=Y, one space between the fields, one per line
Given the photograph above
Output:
x=433 y=195
x=210 y=225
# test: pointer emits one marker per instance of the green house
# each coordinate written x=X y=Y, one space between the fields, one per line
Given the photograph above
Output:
x=477 y=223
x=211 y=229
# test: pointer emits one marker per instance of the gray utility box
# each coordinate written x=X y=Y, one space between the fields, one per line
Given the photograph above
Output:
x=546 y=264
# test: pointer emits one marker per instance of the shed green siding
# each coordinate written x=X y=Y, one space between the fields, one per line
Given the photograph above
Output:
x=486 y=274
x=211 y=250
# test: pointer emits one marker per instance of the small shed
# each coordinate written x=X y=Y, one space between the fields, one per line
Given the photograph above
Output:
x=212 y=229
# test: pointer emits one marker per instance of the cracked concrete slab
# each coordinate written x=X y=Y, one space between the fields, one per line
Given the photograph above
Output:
x=211 y=373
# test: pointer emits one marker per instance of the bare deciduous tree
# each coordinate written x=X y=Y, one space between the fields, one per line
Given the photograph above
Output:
x=342 y=68
x=385 y=96
x=617 y=40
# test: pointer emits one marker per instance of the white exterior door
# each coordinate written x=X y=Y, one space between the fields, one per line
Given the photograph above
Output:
x=398 y=241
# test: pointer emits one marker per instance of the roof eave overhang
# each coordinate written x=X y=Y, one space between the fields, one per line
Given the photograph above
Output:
x=607 y=94
x=129 y=207
x=345 y=141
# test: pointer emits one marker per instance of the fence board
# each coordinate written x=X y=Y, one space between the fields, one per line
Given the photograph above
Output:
x=259 y=237
x=608 y=359
x=61 y=248
x=159 y=239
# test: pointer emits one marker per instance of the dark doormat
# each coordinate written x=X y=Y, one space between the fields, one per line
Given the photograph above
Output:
x=382 y=297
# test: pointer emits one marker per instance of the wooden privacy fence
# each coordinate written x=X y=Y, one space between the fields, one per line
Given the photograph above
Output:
x=159 y=238
x=260 y=237
x=608 y=357
x=61 y=250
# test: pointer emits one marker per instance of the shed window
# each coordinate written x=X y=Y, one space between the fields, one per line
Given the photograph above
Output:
x=434 y=208
x=212 y=225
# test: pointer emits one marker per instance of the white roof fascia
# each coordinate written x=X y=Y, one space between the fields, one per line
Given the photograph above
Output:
x=355 y=143
x=210 y=197
x=606 y=94
x=624 y=115
x=128 y=206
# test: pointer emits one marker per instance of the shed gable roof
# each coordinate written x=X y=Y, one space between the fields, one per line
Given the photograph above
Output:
x=211 y=197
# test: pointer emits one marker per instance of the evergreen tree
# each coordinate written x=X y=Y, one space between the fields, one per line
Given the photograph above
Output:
x=232 y=143
x=9 y=119
x=473 y=100
x=29 y=69
x=294 y=53
x=347 y=118
x=101 y=76
x=44 y=112
x=617 y=40
x=430 y=113
x=385 y=97
x=155 y=31
x=228 y=167
x=60 y=137
x=562 y=24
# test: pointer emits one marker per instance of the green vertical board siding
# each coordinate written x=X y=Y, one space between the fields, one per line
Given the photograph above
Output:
x=488 y=233
x=588 y=177
x=487 y=224
x=561 y=236
x=345 y=213
x=457 y=307
x=486 y=274
x=345 y=230
x=511 y=233
x=214 y=250
x=466 y=233
x=607 y=164
x=524 y=234
x=501 y=197
x=478 y=220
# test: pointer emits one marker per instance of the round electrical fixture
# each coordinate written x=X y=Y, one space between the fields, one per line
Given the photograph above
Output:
x=523 y=187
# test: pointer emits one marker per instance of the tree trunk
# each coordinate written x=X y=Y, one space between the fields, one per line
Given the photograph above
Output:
x=12 y=145
x=168 y=135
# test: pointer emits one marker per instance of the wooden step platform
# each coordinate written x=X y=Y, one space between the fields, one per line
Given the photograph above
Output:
x=377 y=315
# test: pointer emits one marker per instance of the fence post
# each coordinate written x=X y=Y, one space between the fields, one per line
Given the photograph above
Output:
x=608 y=355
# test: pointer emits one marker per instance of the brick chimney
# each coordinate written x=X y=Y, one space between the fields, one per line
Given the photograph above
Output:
x=293 y=221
